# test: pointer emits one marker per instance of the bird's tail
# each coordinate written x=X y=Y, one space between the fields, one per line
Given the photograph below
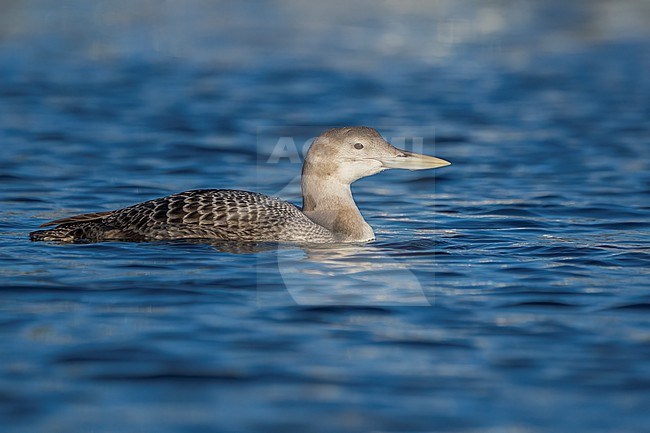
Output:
x=63 y=233
x=79 y=228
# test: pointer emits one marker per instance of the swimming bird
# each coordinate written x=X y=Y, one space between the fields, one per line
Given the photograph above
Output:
x=334 y=161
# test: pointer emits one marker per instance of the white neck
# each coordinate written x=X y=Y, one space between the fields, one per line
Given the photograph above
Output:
x=328 y=201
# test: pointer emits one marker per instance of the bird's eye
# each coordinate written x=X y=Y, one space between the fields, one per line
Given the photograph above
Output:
x=358 y=146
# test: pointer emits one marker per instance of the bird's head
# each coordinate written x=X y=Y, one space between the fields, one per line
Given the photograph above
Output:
x=352 y=153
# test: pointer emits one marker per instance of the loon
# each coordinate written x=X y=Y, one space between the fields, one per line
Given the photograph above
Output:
x=329 y=214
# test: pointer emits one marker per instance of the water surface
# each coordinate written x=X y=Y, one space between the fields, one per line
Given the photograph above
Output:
x=507 y=292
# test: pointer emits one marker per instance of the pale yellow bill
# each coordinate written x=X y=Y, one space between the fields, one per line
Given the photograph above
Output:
x=413 y=161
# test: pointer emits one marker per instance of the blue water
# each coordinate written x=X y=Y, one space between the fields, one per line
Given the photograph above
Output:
x=508 y=292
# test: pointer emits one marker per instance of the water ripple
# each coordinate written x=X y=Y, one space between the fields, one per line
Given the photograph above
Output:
x=521 y=270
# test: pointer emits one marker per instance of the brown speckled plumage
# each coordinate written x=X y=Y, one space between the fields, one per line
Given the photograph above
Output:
x=200 y=214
